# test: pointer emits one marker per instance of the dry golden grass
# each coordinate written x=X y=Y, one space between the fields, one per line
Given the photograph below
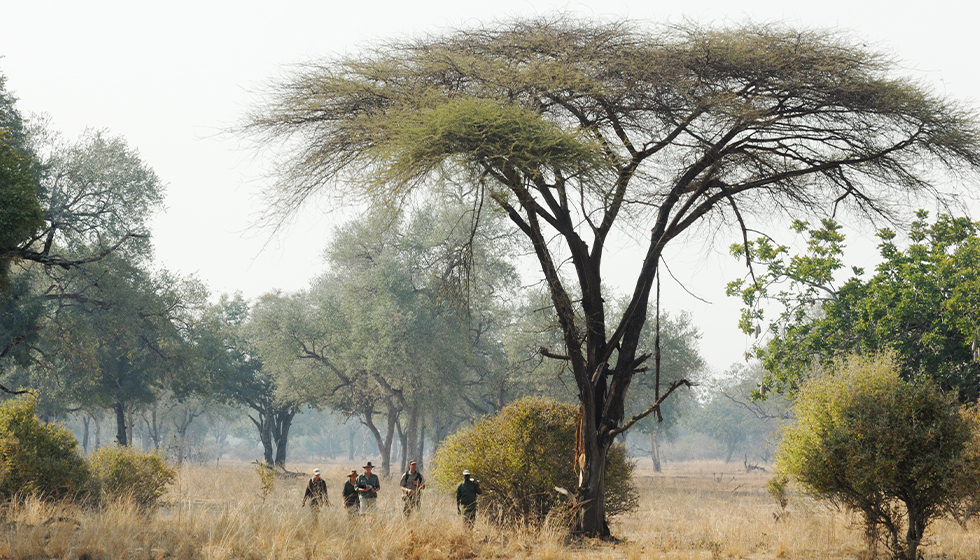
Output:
x=691 y=511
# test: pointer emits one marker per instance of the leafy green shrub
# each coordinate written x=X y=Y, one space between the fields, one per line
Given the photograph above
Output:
x=36 y=458
x=520 y=456
x=899 y=453
x=125 y=473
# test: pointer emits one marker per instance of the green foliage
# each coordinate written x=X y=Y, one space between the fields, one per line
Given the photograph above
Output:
x=892 y=450
x=36 y=458
x=923 y=304
x=20 y=214
x=777 y=487
x=521 y=455
x=267 y=478
x=123 y=473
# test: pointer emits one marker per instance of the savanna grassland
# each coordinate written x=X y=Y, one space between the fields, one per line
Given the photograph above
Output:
x=701 y=510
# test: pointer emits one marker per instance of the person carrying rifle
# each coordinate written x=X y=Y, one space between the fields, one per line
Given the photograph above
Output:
x=412 y=485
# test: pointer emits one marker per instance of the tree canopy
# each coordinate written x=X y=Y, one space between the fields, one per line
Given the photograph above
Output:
x=583 y=131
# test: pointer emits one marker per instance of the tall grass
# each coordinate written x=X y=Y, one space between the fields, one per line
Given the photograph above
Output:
x=691 y=511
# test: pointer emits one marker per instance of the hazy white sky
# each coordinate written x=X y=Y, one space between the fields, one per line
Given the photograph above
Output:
x=172 y=76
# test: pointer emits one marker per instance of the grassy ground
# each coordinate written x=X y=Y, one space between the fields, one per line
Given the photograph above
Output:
x=690 y=511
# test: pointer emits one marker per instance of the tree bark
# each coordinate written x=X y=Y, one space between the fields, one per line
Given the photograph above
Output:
x=655 y=450
x=120 y=424
x=85 y=421
x=284 y=420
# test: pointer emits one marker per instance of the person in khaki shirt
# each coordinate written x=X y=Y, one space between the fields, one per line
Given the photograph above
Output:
x=412 y=485
x=367 y=486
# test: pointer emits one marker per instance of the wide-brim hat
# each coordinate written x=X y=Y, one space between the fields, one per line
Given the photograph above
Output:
x=368 y=465
x=316 y=471
x=352 y=473
x=466 y=473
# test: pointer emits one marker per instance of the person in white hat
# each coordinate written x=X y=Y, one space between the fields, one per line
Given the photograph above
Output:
x=466 y=494
x=316 y=493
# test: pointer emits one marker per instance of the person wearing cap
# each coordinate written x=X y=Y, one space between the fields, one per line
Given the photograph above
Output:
x=350 y=494
x=466 y=494
x=367 y=486
x=316 y=493
x=412 y=484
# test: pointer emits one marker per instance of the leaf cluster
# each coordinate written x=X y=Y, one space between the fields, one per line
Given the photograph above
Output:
x=921 y=304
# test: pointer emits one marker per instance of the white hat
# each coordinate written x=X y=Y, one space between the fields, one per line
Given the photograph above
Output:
x=466 y=473
x=316 y=471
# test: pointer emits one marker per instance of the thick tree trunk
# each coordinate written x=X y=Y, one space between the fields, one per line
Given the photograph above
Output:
x=411 y=441
x=265 y=436
x=120 y=424
x=129 y=424
x=590 y=459
x=350 y=444
x=284 y=420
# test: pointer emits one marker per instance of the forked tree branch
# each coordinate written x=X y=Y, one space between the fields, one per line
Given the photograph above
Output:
x=653 y=408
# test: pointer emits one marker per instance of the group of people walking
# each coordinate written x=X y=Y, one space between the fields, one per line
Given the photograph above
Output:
x=360 y=492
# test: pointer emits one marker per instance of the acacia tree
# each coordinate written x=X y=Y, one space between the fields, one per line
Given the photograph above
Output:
x=581 y=131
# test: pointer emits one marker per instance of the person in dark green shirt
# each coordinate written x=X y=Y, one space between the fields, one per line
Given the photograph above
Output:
x=466 y=494
x=350 y=494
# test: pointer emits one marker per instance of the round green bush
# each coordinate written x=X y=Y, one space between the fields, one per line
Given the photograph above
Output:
x=521 y=455
x=125 y=473
x=35 y=458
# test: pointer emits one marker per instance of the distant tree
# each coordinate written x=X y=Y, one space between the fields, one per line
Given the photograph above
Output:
x=583 y=133
x=730 y=416
x=895 y=451
x=391 y=335
x=922 y=303
x=123 y=350
x=680 y=358
x=229 y=340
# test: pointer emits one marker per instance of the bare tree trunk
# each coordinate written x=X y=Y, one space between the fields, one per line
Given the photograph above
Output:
x=411 y=436
x=350 y=444
x=420 y=454
x=129 y=424
x=284 y=419
x=265 y=436
x=85 y=421
x=655 y=450
x=98 y=431
x=120 y=424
